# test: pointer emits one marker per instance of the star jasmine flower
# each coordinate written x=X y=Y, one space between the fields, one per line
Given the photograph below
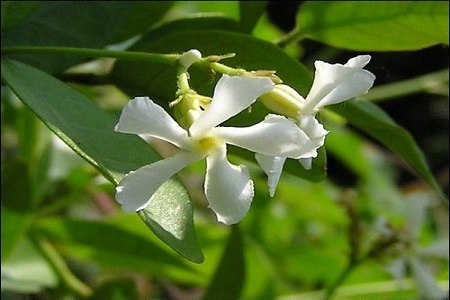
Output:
x=228 y=188
x=333 y=83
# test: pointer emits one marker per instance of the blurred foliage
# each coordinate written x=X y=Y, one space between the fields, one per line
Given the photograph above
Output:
x=369 y=221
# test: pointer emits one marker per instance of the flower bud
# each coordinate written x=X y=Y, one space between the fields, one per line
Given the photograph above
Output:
x=188 y=107
x=284 y=100
x=189 y=57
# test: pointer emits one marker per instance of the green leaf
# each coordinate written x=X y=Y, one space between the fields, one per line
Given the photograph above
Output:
x=26 y=270
x=164 y=216
x=158 y=81
x=17 y=205
x=142 y=15
x=371 y=119
x=89 y=131
x=375 y=25
x=229 y=277
x=14 y=12
x=250 y=12
x=110 y=244
x=66 y=23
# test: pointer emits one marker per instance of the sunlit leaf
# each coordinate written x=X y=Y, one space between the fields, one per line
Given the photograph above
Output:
x=89 y=131
x=375 y=25
x=26 y=270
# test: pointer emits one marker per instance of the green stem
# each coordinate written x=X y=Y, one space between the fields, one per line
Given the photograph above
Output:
x=125 y=55
x=218 y=67
x=290 y=38
x=60 y=267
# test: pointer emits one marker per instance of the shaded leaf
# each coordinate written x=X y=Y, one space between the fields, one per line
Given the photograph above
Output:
x=141 y=16
x=17 y=205
x=66 y=24
x=14 y=12
x=250 y=12
x=229 y=277
x=89 y=131
x=375 y=25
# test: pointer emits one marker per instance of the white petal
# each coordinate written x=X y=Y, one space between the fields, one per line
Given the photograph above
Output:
x=190 y=57
x=137 y=187
x=426 y=283
x=228 y=188
x=275 y=136
x=272 y=166
x=313 y=129
x=359 y=61
x=334 y=83
x=232 y=95
x=142 y=116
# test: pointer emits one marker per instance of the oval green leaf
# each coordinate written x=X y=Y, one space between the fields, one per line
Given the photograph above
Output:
x=375 y=25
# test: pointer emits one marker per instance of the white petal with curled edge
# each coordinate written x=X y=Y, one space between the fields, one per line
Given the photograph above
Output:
x=275 y=136
x=142 y=116
x=137 y=187
x=313 y=129
x=232 y=95
x=272 y=166
x=359 y=61
x=306 y=163
x=228 y=188
x=334 y=83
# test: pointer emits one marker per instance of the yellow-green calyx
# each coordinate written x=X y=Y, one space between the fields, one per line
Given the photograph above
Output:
x=284 y=100
x=188 y=107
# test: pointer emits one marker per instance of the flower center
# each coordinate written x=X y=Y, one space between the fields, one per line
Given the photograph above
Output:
x=207 y=144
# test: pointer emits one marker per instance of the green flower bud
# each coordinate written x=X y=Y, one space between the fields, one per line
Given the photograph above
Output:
x=188 y=107
x=284 y=100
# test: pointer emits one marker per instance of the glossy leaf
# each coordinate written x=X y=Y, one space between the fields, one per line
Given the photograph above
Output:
x=69 y=24
x=89 y=131
x=371 y=119
x=375 y=25
x=141 y=16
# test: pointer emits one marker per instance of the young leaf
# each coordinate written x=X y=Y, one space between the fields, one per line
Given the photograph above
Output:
x=375 y=25
x=89 y=131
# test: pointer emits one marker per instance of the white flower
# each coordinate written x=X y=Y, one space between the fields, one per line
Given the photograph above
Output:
x=333 y=83
x=228 y=188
